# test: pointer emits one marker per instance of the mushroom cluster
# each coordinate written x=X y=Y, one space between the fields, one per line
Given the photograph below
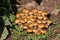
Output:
x=34 y=21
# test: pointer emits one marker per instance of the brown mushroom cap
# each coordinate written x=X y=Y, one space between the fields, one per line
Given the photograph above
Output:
x=18 y=15
x=17 y=21
x=44 y=13
x=35 y=23
x=44 y=21
x=34 y=10
x=30 y=25
x=46 y=26
x=36 y=31
x=30 y=13
x=49 y=22
x=25 y=27
x=39 y=21
x=29 y=30
x=39 y=17
x=25 y=20
x=45 y=18
x=41 y=25
x=21 y=14
x=39 y=11
x=25 y=10
x=43 y=31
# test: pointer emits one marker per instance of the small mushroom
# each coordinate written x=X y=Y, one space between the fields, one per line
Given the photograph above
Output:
x=22 y=21
x=25 y=27
x=34 y=10
x=46 y=26
x=36 y=31
x=41 y=25
x=43 y=31
x=40 y=12
x=17 y=21
x=25 y=10
x=29 y=30
x=30 y=16
x=34 y=23
x=30 y=13
x=29 y=21
x=44 y=13
x=32 y=19
x=26 y=14
x=39 y=32
x=18 y=15
x=21 y=14
x=49 y=22
x=35 y=14
x=25 y=20
x=39 y=21
x=40 y=17
x=45 y=18
x=43 y=21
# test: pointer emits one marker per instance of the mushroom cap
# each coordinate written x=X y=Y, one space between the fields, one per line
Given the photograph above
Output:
x=29 y=21
x=18 y=15
x=29 y=30
x=43 y=31
x=21 y=14
x=32 y=19
x=40 y=12
x=36 y=31
x=17 y=21
x=44 y=21
x=25 y=27
x=44 y=13
x=26 y=14
x=30 y=16
x=39 y=17
x=39 y=21
x=46 y=26
x=34 y=10
x=25 y=10
x=45 y=18
x=25 y=20
x=22 y=21
x=49 y=22
x=41 y=25
x=35 y=23
x=30 y=13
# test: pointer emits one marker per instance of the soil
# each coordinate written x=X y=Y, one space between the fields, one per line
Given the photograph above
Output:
x=49 y=6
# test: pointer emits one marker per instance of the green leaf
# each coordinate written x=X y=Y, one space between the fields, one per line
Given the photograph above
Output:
x=12 y=17
x=6 y=20
x=4 y=34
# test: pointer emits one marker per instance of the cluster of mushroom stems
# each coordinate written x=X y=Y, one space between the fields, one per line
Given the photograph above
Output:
x=33 y=20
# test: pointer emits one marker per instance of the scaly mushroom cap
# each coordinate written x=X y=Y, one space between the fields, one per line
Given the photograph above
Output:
x=34 y=10
x=49 y=22
x=40 y=12
x=41 y=25
x=43 y=31
x=25 y=27
x=44 y=13
x=30 y=13
x=39 y=21
x=29 y=30
x=25 y=10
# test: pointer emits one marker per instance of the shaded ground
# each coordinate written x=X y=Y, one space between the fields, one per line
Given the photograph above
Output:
x=48 y=5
